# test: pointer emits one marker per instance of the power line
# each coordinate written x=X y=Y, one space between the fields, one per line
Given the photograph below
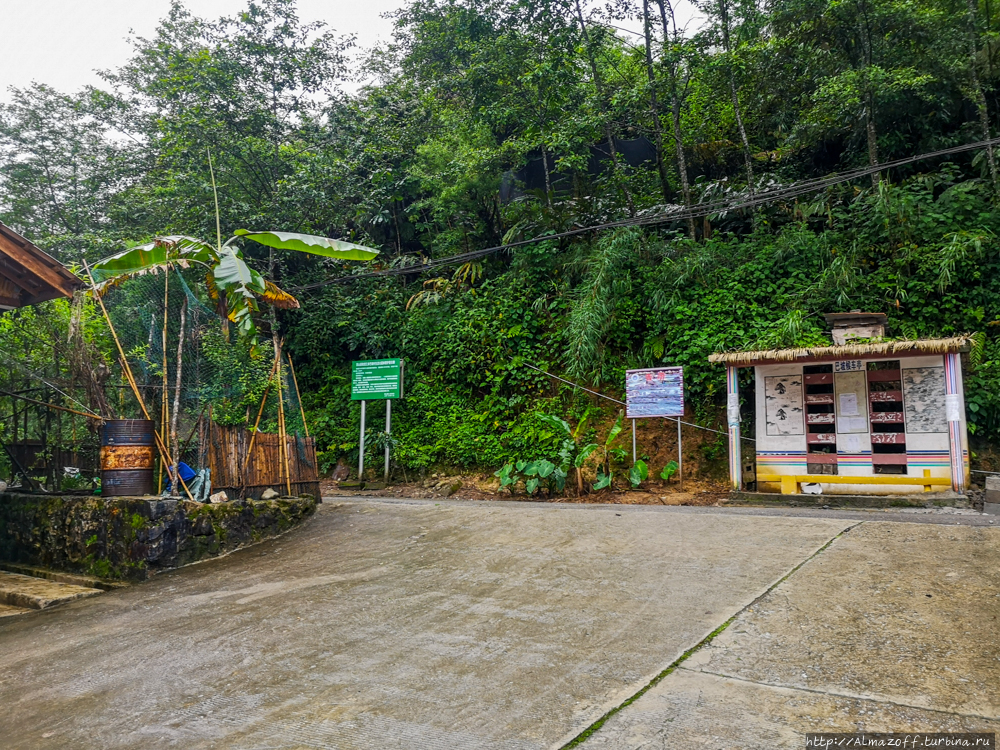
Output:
x=601 y=395
x=668 y=216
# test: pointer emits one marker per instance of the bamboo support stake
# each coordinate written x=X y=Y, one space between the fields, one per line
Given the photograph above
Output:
x=54 y=406
x=281 y=427
x=164 y=456
x=164 y=400
x=174 y=445
x=260 y=411
x=298 y=395
x=128 y=373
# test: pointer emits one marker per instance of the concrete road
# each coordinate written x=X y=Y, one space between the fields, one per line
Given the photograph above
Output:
x=395 y=625
x=892 y=628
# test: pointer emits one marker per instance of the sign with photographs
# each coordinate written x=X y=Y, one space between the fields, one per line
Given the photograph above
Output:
x=655 y=392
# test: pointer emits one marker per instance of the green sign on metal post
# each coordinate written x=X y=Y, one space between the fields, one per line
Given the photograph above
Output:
x=376 y=379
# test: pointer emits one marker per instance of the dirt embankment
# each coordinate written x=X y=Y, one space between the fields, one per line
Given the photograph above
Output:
x=484 y=487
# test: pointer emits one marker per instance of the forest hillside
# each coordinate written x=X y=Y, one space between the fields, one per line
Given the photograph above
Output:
x=486 y=123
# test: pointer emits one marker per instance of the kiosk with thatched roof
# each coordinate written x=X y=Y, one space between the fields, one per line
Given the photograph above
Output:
x=864 y=416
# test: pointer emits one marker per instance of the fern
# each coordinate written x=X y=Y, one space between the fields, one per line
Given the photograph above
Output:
x=605 y=282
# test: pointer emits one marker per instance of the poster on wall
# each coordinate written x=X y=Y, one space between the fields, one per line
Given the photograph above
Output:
x=654 y=392
x=783 y=405
x=924 y=399
x=851 y=403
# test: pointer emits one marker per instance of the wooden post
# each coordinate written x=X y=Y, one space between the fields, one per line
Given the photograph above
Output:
x=633 y=442
x=178 y=368
x=680 y=457
x=733 y=420
x=164 y=399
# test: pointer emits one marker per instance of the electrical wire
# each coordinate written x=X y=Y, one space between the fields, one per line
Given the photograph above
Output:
x=35 y=375
x=601 y=395
x=668 y=216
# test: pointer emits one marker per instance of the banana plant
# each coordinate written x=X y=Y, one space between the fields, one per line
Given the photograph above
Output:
x=236 y=288
x=609 y=453
x=571 y=453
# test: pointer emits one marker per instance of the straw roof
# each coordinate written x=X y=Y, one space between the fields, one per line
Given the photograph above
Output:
x=849 y=351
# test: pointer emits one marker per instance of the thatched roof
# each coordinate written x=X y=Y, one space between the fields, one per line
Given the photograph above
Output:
x=849 y=351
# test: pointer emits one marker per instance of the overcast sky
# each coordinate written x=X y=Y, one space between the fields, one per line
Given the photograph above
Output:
x=63 y=42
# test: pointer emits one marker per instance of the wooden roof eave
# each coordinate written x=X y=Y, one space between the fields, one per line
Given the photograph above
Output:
x=37 y=275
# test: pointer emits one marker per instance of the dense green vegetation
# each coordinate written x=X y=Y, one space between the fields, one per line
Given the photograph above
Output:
x=488 y=121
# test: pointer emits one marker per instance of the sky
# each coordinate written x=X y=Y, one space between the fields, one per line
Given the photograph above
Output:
x=63 y=43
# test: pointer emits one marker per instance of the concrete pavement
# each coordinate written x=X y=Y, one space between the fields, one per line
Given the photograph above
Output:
x=395 y=625
x=894 y=627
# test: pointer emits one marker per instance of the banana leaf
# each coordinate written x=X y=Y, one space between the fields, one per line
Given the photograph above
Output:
x=233 y=275
x=278 y=297
x=614 y=430
x=560 y=425
x=150 y=257
x=308 y=243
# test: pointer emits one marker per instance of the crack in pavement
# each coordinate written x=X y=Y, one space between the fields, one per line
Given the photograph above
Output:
x=589 y=731
x=833 y=694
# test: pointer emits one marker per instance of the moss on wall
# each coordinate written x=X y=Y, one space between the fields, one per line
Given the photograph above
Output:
x=132 y=537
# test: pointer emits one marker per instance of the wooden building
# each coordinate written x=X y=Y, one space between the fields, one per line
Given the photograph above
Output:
x=869 y=417
x=28 y=275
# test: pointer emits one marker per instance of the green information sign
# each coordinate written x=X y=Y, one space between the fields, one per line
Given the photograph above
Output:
x=375 y=379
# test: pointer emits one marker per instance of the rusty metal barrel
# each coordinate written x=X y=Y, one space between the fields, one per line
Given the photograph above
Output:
x=127 y=457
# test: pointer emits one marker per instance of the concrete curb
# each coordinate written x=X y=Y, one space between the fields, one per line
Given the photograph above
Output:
x=19 y=590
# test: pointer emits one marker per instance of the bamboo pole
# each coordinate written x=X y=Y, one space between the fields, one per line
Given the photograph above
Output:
x=281 y=426
x=178 y=369
x=128 y=372
x=53 y=406
x=259 y=413
x=164 y=407
x=298 y=395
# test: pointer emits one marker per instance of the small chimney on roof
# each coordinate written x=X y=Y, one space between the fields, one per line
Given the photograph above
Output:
x=855 y=324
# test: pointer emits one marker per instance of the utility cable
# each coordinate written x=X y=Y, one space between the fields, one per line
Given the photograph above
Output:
x=601 y=395
x=35 y=375
x=667 y=216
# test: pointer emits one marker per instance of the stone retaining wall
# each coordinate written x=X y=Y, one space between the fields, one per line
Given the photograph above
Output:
x=133 y=537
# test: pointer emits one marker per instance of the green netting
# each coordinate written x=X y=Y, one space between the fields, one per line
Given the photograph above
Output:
x=223 y=378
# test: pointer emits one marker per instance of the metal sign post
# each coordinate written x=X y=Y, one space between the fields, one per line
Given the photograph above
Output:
x=680 y=458
x=374 y=380
x=361 y=454
x=388 y=432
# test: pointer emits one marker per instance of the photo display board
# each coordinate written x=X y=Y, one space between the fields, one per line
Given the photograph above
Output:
x=376 y=379
x=655 y=392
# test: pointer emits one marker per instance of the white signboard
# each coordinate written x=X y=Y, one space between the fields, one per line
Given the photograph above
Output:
x=783 y=405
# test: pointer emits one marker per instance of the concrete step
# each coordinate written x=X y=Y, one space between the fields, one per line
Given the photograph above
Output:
x=18 y=590
x=76 y=579
x=7 y=610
